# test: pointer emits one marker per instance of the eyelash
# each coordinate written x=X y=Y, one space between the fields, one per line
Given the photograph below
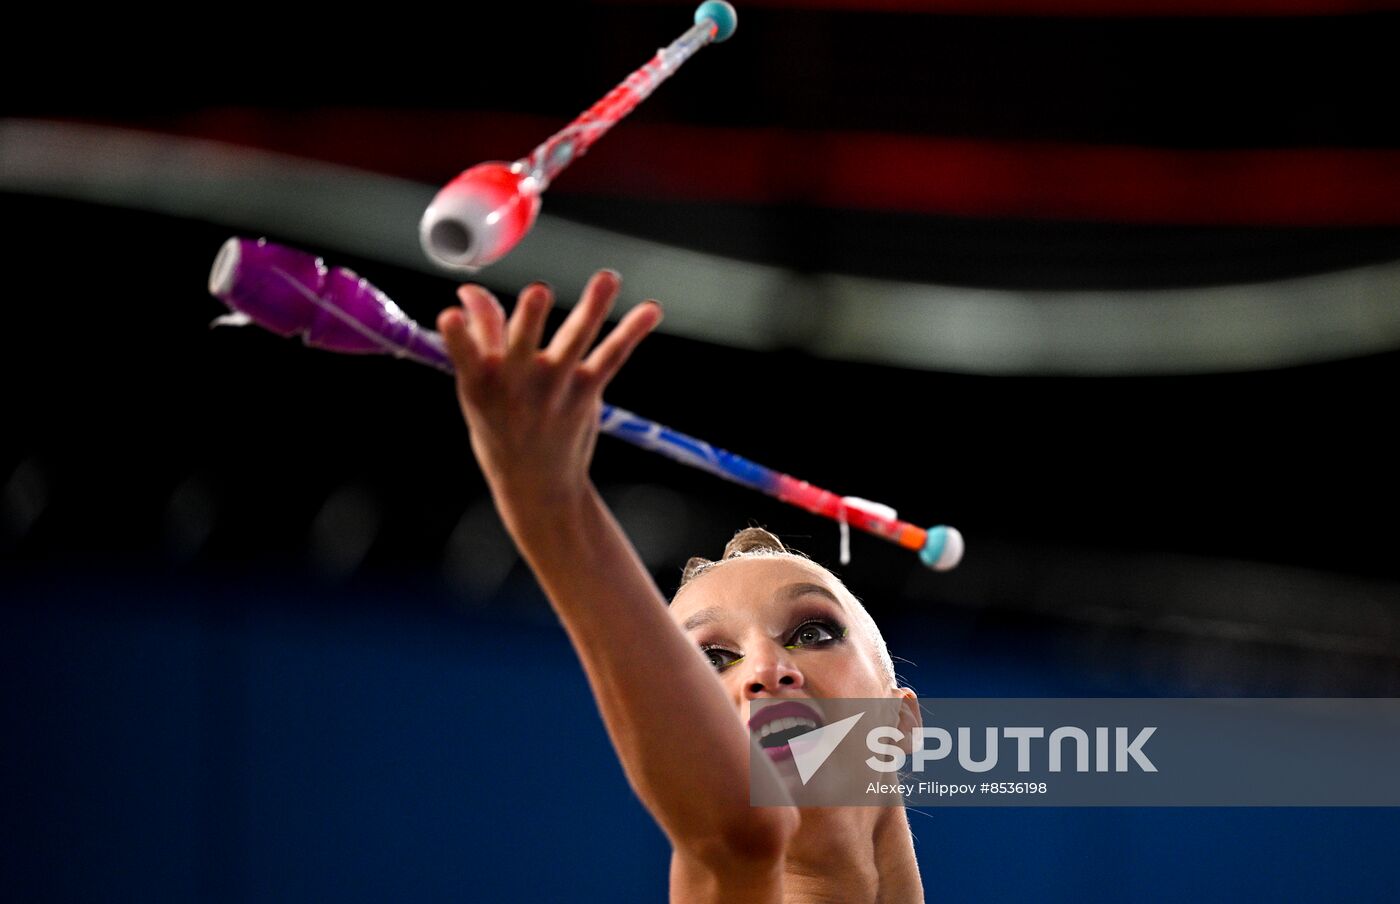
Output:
x=837 y=632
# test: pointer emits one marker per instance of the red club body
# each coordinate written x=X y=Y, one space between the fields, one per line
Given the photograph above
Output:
x=480 y=216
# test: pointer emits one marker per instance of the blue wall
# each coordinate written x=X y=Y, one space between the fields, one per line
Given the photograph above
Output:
x=184 y=742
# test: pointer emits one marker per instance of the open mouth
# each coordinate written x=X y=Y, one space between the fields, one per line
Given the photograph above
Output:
x=777 y=724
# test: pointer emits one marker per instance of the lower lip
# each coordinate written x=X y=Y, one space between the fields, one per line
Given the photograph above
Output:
x=779 y=753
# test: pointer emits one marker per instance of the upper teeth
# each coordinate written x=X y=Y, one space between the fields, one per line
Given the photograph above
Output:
x=779 y=724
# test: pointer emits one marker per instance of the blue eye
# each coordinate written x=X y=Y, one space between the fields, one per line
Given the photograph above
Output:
x=716 y=655
x=814 y=633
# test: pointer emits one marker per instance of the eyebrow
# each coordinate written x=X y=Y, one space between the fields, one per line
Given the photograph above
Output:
x=793 y=591
x=790 y=592
x=703 y=617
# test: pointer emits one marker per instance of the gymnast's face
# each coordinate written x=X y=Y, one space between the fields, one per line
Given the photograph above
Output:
x=776 y=627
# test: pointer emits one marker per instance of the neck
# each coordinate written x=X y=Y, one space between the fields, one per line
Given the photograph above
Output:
x=894 y=858
x=853 y=854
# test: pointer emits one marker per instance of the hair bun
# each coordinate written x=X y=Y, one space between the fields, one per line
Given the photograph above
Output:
x=750 y=539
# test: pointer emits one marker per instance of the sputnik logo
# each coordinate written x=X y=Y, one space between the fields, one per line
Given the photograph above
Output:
x=796 y=729
x=811 y=750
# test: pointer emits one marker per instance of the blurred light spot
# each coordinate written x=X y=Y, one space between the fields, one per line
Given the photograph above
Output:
x=1209 y=329
x=655 y=518
x=189 y=518
x=25 y=498
x=479 y=554
x=343 y=531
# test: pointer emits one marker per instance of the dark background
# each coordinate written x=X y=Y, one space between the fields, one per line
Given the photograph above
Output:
x=261 y=626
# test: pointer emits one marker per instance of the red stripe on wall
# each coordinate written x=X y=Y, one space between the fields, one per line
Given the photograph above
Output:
x=918 y=174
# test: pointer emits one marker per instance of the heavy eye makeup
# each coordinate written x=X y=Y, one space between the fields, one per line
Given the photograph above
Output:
x=815 y=630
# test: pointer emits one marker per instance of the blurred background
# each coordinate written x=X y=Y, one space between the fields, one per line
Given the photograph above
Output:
x=1113 y=287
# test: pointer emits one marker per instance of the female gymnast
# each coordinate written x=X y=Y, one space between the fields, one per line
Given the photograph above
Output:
x=674 y=683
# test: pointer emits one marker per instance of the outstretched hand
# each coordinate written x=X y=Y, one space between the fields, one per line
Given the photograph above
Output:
x=533 y=412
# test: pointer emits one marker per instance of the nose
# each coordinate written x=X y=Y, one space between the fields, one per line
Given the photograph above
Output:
x=770 y=670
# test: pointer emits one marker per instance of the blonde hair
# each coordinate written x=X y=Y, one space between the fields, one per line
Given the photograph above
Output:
x=755 y=543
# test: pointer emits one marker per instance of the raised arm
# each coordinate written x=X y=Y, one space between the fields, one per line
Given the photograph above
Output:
x=533 y=418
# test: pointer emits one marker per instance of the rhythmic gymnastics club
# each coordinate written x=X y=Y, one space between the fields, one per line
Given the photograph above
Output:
x=482 y=214
x=294 y=293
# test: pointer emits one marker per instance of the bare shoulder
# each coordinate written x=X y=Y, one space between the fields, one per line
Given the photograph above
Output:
x=735 y=880
x=744 y=863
